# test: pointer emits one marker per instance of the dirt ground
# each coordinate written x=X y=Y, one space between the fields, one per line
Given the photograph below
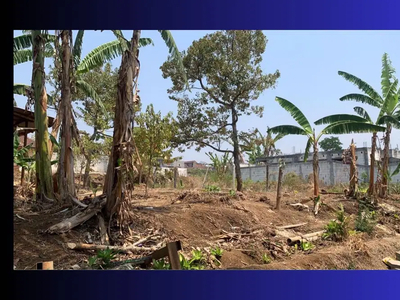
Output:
x=245 y=226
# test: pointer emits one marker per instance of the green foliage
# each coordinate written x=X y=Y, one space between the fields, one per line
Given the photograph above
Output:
x=366 y=219
x=225 y=67
x=217 y=252
x=20 y=154
x=102 y=259
x=154 y=133
x=331 y=144
x=266 y=258
x=194 y=263
x=338 y=229
x=306 y=246
x=161 y=264
x=220 y=164
x=212 y=188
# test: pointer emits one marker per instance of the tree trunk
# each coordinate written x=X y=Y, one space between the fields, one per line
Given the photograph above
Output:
x=371 y=188
x=266 y=175
x=316 y=176
x=55 y=128
x=236 y=150
x=115 y=186
x=86 y=176
x=148 y=176
x=44 y=184
x=353 y=171
x=66 y=179
x=385 y=164
x=278 y=191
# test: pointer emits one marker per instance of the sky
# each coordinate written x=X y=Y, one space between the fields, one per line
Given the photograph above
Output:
x=308 y=62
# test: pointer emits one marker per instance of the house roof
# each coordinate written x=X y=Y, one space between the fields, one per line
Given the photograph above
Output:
x=26 y=118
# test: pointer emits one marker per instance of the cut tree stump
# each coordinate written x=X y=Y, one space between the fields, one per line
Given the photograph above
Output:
x=46 y=265
x=94 y=208
x=305 y=237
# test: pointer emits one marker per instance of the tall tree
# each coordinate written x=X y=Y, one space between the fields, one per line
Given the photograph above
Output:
x=331 y=143
x=155 y=133
x=104 y=82
x=66 y=179
x=388 y=105
x=225 y=67
x=44 y=185
x=117 y=185
x=304 y=128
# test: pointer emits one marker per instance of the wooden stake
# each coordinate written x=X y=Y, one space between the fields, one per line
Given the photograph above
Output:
x=175 y=176
x=46 y=265
x=173 y=256
x=279 y=188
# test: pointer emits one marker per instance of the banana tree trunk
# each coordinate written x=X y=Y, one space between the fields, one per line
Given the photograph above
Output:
x=55 y=128
x=66 y=176
x=317 y=201
x=385 y=165
x=116 y=184
x=353 y=171
x=44 y=184
x=371 y=188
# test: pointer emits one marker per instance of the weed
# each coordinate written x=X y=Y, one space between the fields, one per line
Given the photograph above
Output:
x=337 y=230
x=161 y=264
x=212 y=188
x=217 y=253
x=266 y=259
x=305 y=246
x=102 y=259
x=366 y=220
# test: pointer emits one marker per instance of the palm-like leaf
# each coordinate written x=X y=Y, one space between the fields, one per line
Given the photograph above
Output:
x=386 y=75
x=105 y=53
x=391 y=100
x=122 y=40
x=396 y=171
x=295 y=113
x=363 y=99
x=174 y=51
x=363 y=113
x=307 y=150
x=22 y=56
x=25 y=90
x=340 y=118
x=22 y=42
x=288 y=129
x=351 y=127
x=91 y=93
x=362 y=85
x=388 y=119
x=77 y=49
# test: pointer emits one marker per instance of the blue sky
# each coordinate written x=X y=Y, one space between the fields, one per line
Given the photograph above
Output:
x=307 y=60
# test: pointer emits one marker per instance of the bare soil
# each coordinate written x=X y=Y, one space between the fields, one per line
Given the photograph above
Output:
x=245 y=226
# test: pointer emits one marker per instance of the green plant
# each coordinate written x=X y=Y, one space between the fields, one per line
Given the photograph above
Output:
x=20 y=153
x=106 y=256
x=366 y=220
x=195 y=263
x=212 y=188
x=92 y=261
x=305 y=246
x=266 y=259
x=337 y=230
x=232 y=193
x=217 y=252
x=161 y=264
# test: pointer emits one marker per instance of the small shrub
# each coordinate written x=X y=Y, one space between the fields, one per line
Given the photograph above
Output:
x=161 y=264
x=305 y=246
x=102 y=259
x=337 y=230
x=292 y=181
x=212 y=188
x=217 y=252
x=266 y=259
x=366 y=220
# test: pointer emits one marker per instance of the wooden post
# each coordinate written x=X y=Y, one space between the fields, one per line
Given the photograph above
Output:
x=279 y=188
x=46 y=265
x=233 y=177
x=175 y=176
x=173 y=256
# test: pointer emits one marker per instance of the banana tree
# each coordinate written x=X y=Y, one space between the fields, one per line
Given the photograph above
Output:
x=44 y=185
x=388 y=105
x=304 y=128
x=118 y=180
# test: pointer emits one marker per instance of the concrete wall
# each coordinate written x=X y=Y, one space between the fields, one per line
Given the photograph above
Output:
x=330 y=172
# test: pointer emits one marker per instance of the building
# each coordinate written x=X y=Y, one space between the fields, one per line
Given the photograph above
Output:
x=192 y=164
x=332 y=170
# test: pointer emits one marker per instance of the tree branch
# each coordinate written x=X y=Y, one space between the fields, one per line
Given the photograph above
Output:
x=211 y=95
x=209 y=145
